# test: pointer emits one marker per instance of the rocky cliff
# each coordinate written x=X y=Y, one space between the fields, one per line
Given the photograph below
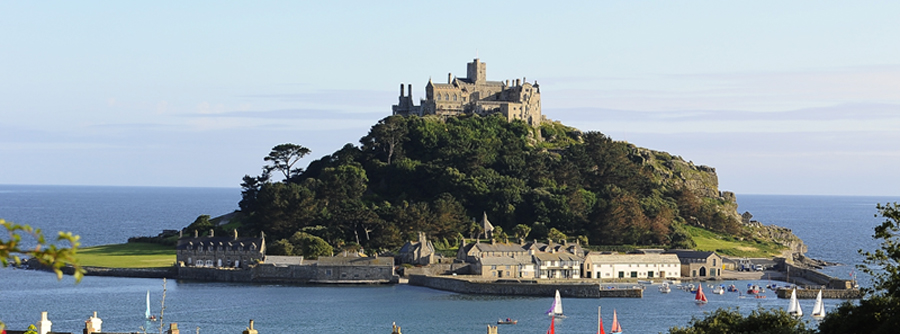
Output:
x=674 y=172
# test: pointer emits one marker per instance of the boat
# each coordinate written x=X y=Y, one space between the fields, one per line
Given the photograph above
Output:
x=794 y=308
x=664 y=288
x=819 y=308
x=556 y=310
x=752 y=289
x=147 y=312
x=615 y=328
x=508 y=321
x=701 y=297
x=599 y=322
x=732 y=288
x=719 y=290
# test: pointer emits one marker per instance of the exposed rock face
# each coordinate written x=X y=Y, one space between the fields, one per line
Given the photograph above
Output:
x=703 y=181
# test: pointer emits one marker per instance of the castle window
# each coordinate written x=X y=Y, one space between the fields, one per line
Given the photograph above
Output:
x=454 y=97
x=446 y=96
x=437 y=97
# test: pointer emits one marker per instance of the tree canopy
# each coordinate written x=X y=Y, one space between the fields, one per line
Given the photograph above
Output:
x=434 y=174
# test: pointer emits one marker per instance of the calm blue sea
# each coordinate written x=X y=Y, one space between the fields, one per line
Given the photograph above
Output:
x=833 y=227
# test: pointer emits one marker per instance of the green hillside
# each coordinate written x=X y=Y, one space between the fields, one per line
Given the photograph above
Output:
x=436 y=174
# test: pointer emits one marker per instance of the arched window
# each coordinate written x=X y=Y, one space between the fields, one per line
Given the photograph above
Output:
x=437 y=96
x=446 y=96
x=454 y=97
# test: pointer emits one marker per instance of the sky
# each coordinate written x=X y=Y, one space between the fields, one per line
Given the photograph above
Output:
x=799 y=97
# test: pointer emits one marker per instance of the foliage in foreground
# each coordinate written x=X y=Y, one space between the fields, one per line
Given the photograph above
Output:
x=731 y=321
x=48 y=254
x=878 y=312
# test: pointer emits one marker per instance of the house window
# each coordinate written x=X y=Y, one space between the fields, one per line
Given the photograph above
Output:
x=621 y=274
x=650 y=274
x=634 y=274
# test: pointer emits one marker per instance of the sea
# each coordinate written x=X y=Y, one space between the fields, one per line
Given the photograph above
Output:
x=833 y=227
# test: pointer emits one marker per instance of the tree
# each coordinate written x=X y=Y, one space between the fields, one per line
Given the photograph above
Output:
x=284 y=156
x=521 y=231
x=556 y=235
x=310 y=246
x=879 y=310
x=388 y=135
x=730 y=321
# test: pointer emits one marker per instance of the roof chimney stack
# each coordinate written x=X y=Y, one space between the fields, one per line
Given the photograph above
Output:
x=212 y=233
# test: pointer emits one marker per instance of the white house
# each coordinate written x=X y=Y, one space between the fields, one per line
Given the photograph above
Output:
x=613 y=265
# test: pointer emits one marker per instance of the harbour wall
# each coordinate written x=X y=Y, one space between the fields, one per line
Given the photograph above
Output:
x=826 y=293
x=806 y=275
x=521 y=288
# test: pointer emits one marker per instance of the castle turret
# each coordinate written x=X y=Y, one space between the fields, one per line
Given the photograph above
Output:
x=476 y=71
x=173 y=329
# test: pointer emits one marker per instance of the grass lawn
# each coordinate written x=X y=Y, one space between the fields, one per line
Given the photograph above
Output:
x=710 y=241
x=129 y=255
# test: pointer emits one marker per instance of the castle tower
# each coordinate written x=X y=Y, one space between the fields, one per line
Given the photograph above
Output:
x=173 y=329
x=492 y=329
x=396 y=329
x=476 y=71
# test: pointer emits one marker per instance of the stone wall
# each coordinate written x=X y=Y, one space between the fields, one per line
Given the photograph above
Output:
x=440 y=269
x=811 y=275
x=826 y=293
x=215 y=274
x=519 y=288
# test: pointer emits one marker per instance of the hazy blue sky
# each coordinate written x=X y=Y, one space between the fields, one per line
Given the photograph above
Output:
x=799 y=97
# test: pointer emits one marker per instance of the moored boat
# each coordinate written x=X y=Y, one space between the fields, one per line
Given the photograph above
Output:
x=700 y=298
x=508 y=321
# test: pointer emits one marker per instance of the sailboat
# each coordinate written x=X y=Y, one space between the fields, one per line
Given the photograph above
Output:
x=794 y=308
x=556 y=310
x=616 y=328
x=147 y=313
x=819 y=308
x=599 y=322
x=700 y=298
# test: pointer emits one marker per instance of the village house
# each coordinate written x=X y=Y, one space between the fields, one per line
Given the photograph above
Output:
x=220 y=252
x=419 y=252
x=698 y=263
x=610 y=265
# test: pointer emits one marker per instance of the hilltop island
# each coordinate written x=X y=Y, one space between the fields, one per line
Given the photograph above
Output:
x=475 y=182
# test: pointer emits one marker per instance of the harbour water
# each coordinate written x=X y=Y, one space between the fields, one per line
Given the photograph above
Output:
x=833 y=227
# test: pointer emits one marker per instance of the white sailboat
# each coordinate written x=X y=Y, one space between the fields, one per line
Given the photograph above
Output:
x=819 y=308
x=794 y=308
x=147 y=313
x=556 y=310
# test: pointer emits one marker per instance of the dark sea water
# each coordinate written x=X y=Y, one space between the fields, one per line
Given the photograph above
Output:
x=833 y=227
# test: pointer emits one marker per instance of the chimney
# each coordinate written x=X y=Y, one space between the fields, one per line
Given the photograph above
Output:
x=250 y=329
x=449 y=78
x=196 y=234
x=401 y=90
x=395 y=329
x=212 y=233
x=409 y=90
x=173 y=329
x=180 y=234
x=235 y=234
x=493 y=241
x=44 y=326
x=93 y=324
x=518 y=83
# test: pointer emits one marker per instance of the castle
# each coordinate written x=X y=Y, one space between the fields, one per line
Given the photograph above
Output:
x=473 y=94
